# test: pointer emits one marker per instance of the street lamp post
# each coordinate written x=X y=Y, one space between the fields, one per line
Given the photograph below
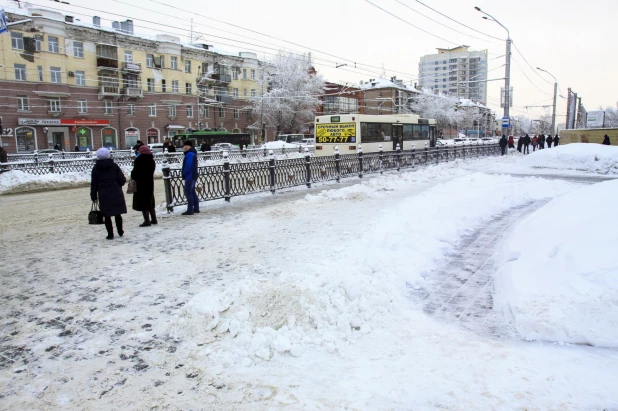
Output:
x=507 y=74
x=553 y=115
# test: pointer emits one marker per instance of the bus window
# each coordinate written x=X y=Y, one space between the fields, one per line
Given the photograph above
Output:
x=416 y=132
x=295 y=138
x=425 y=132
x=407 y=132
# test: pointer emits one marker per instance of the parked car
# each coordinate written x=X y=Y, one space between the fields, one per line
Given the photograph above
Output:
x=306 y=142
x=445 y=143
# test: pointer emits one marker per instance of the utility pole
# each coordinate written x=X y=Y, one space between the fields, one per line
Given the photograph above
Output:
x=553 y=116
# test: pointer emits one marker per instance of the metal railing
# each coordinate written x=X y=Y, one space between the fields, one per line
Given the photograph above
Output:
x=230 y=179
x=69 y=162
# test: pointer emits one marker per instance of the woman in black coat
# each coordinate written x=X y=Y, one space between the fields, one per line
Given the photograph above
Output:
x=143 y=175
x=606 y=140
x=106 y=186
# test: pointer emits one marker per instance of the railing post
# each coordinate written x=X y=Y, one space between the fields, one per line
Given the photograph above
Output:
x=360 y=161
x=413 y=154
x=271 y=168
x=51 y=163
x=463 y=151
x=308 y=166
x=338 y=163
x=398 y=148
x=437 y=149
x=63 y=154
x=244 y=152
x=226 y=176
x=36 y=157
x=167 y=184
x=426 y=153
x=381 y=151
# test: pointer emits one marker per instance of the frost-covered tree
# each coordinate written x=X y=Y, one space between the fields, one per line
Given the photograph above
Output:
x=291 y=91
x=611 y=116
x=445 y=110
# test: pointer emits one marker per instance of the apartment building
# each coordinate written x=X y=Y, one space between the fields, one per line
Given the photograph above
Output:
x=458 y=72
x=387 y=96
x=75 y=85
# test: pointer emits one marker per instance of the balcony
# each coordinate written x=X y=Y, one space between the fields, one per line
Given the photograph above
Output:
x=132 y=67
x=133 y=92
x=106 y=63
x=223 y=78
x=222 y=98
x=109 y=91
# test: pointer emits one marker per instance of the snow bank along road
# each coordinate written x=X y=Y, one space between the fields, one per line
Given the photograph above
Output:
x=301 y=300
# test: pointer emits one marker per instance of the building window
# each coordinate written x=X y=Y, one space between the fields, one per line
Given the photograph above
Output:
x=17 y=41
x=163 y=87
x=187 y=66
x=24 y=137
x=128 y=56
x=20 y=72
x=189 y=110
x=188 y=88
x=252 y=93
x=174 y=86
x=236 y=114
x=108 y=107
x=207 y=112
x=174 y=63
x=78 y=49
x=235 y=93
x=82 y=106
x=130 y=109
x=22 y=103
x=150 y=84
x=235 y=73
x=53 y=105
x=109 y=137
x=52 y=44
x=55 y=74
x=252 y=74
x=80 y=78
x=244 y=92
x=152 y=110
x=39 y=70
x=171 y=111
x=162 y=58
x=149 y=60
x=221 y=112
x=38 y=39
x=244 y=74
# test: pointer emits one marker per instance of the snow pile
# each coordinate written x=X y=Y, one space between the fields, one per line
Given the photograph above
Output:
x=560 y=274
x=272 y=145
x=595 y=158
x=359 y=283
x=19 y=182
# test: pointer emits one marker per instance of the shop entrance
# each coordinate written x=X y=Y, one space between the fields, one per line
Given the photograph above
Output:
x=57 y=141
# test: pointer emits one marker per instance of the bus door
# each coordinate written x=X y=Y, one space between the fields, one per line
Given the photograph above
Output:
x=397 y=136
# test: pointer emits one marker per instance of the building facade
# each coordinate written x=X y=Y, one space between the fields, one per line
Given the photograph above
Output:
x=75 y=86
x=341 y=99
x=457 y=72
x=382 y=96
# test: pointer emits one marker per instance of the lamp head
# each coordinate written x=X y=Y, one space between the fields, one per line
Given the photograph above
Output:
x=477 y=8
x=485 y=18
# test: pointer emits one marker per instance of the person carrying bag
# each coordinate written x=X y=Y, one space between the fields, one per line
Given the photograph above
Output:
x=95 y=216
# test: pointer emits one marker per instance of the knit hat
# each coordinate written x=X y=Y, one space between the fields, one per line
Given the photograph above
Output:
x=102 y=153
x=188 y=143
x=144 y=150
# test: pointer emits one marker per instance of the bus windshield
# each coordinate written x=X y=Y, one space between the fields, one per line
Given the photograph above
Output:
x=291 y=138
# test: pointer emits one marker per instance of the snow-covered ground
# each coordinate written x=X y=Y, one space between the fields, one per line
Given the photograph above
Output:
x=300 y=300
x=559 y=279
x=572 y=159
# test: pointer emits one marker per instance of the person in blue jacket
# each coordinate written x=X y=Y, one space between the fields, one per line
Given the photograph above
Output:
x=189 y=175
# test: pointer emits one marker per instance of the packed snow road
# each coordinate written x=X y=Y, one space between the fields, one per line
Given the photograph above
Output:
x=298 y=300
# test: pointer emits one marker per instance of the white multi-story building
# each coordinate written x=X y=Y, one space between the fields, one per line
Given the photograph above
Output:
x=457 y=72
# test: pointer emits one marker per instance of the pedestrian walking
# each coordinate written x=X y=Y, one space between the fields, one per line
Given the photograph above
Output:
x=4 y=156
x=549 y=141
x=189 y=175
x=541 y=142
x=76 y=147
x=526 y=144
x=171 y=148
x=503 y=144
x=106 y=184
x=606 y=140
x=520 y=142
x=57 y=147
x=511 y=142
x=556 y=140
x=205 y=146
x=143 y=175
x=535 y=142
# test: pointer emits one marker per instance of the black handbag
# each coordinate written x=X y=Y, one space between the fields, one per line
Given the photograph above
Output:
x=95 y=216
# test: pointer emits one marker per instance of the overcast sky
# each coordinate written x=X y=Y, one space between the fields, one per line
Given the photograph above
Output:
x=571 y=39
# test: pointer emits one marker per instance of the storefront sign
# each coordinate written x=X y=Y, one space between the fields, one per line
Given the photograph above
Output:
x=61 y=122
x=130 y=133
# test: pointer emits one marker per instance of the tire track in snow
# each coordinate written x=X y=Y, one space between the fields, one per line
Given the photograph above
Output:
x=461 y=291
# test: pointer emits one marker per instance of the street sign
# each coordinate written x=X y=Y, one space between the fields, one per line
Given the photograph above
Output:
x=505 y=122
x=3 y=26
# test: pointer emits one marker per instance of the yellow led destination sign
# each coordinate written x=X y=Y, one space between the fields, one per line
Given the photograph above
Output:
x=335 y=133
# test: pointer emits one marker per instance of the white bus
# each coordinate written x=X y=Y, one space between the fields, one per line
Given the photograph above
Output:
x=347 y=131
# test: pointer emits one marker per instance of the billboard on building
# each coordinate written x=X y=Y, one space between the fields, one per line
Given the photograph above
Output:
x=595 y=119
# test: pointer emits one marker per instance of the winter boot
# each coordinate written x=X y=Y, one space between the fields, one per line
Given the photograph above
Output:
x=119 y=225
x=146 y=222
x=109 y=228
x=153 y=216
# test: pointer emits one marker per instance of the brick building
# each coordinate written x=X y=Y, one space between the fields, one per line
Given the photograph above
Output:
x=69 y=84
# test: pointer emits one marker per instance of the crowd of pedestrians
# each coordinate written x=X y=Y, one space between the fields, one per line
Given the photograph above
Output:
x=524 y=143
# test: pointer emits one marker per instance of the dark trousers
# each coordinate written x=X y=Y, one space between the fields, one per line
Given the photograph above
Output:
x=150 y=215
x=526 y=148
x=110 y=229
x=193 y=202
x=503 y=150
x=548 y=145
